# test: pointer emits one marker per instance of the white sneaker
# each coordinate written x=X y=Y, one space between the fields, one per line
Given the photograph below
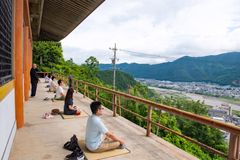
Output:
x=80 y=157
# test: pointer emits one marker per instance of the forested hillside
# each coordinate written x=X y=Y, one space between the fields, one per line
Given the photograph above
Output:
x=123 y=80
x=222 y=69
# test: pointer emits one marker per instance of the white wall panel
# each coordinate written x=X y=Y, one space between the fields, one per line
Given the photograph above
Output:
x=7 y=124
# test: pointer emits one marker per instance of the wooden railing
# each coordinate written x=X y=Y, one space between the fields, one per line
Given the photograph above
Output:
x=233 y=150
x=42 y=74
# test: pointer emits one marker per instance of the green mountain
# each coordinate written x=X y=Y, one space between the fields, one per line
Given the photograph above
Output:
x=223 y=69
x=123 y=80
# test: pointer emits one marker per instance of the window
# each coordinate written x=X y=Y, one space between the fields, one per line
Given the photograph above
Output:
x=5 y=41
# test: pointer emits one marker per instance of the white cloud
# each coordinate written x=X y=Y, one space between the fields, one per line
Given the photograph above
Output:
x=166 y=28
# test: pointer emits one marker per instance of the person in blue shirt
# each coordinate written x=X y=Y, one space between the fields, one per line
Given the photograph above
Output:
x=69 y=108
x=98 y=138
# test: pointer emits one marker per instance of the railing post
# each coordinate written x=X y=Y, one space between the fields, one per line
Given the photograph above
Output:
x=63 y=78
x=159 y=115
x=96 y=94
x=73 y=84
x=76 y=86
x=233 y=150
x=119 y=105
x=66 y=81
x=149 y=118
x=88 y=92
x=114 y=105
x=85 y=90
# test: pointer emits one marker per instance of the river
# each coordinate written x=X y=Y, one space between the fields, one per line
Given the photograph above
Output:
x=211 y=101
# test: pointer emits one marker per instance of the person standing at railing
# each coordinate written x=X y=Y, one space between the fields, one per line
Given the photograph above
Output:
x=69 y=108
x=34 y=79
x=96 y=130
x=70 y=81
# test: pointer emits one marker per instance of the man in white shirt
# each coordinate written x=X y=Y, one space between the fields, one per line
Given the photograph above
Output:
x=49 y=82
x=59 y=93
x=98 y=138
x=53 y=85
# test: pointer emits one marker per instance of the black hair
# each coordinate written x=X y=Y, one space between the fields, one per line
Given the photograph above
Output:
x=95 y=106
x=69 y=94
x=53 y=77
x=59 y=82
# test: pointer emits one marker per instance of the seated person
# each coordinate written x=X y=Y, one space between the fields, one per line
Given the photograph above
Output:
x=96 y=130
x=49 y=81
x=59 y=93
x=53 y=85
x=47 y=77
x=69 y=109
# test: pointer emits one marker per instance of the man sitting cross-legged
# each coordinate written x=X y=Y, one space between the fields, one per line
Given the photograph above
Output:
x=53 y=85
x=98 y=137
x=59 y=93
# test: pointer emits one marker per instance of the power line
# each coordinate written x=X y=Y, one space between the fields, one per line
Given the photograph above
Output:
x=134 y=53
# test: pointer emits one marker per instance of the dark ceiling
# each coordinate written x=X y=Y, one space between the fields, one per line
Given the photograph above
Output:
x=55 y=19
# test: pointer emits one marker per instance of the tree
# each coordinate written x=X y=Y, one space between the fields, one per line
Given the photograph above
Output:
x=92 y=65
x=47 y=54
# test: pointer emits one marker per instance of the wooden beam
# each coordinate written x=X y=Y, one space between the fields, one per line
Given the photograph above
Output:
x=19 y=62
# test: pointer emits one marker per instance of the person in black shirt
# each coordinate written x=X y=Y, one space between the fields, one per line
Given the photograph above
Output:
x=34 y=80
x=69 y=108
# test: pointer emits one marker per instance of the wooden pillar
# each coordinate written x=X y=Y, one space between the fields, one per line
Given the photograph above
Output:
x=26 y=63
x=19 y=62
x=233 y=151
x=149 y=118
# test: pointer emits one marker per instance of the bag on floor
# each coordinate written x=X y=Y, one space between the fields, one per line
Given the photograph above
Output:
x=72 y=144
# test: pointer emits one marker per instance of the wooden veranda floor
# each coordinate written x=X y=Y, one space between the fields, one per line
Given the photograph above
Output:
x=44 y=138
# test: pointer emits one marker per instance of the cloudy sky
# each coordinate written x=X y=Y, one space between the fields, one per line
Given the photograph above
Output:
x=156 y=31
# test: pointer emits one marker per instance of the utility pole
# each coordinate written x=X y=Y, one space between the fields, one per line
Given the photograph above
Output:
x=114 y=78
x=114 y=64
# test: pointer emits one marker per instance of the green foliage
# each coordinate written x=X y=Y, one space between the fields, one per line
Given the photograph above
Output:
x=92 y=65
x=235 y=112
x=47 y=54
x=202 y=133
